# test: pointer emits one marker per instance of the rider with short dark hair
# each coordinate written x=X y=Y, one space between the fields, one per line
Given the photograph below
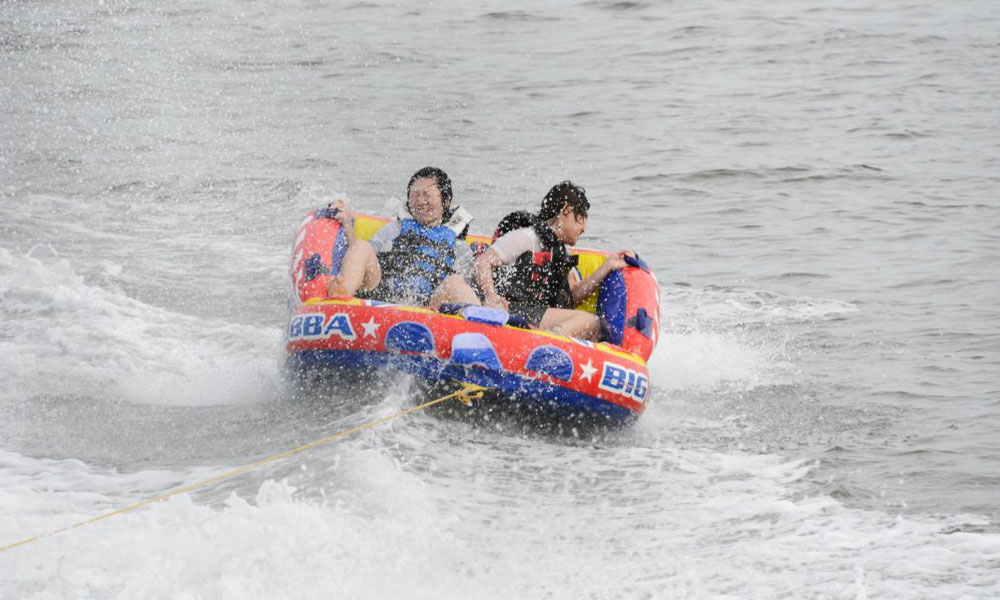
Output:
x=528 y=270
x=418 y=260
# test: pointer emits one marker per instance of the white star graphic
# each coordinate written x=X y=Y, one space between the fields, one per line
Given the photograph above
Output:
x=370 y=327
x=588 y=370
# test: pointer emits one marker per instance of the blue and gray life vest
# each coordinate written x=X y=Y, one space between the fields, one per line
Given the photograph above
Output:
x=421 y=257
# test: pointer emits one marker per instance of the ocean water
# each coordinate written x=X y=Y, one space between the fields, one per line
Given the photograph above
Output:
x=814 y=183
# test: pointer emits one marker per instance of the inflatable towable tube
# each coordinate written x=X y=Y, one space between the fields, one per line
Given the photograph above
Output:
x=533 y=373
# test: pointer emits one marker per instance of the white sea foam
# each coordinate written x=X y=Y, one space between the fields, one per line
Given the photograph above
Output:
x=726 y=308
x=710 y=361
x=718 y=340
x=62 y=336
x=674 y=523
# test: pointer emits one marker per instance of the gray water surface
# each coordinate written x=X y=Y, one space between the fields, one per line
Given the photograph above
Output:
x=815 y=186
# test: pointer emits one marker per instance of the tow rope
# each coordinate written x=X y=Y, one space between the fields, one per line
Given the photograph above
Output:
x=465 y=395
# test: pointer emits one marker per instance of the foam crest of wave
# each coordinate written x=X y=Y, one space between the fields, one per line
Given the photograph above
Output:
x=60 y=336
x=702 y=521
x=727 y=307
x=710 y=360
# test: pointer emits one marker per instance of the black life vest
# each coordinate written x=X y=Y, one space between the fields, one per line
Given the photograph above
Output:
x=421 y=257
x=535 y=278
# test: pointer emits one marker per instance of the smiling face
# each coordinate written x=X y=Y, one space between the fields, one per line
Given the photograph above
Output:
x=424 y=202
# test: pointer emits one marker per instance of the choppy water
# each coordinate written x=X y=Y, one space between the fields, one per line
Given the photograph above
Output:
x=815 y=184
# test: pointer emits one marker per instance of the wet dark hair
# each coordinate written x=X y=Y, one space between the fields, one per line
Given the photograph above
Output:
x=562 y=194
x=443 y=183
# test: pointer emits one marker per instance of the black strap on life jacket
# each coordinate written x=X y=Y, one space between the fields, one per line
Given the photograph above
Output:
x=535 y=278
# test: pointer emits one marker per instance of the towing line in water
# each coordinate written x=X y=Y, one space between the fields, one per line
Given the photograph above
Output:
x=465 y=395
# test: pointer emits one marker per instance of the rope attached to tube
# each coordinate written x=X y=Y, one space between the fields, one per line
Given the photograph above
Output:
x=465 y=395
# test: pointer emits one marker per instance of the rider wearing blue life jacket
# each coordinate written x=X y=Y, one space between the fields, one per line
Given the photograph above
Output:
x=420 y=259
x=414 y=259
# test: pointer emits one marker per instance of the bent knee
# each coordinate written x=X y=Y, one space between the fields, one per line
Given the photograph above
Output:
x=452 y=281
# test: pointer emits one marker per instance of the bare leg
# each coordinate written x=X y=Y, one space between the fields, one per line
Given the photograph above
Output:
x=572 y=323
x=453 y=289
x=359 y=270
